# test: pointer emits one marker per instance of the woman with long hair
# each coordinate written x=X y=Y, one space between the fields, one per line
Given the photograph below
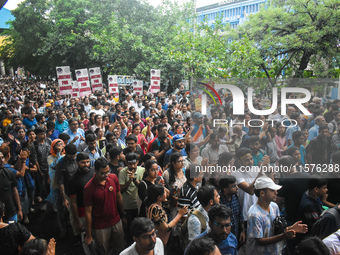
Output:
x=170 y=113
x=150 y=178
x=83 y=119
x=193 y=157
x=280 y=139
x=159 y=109
x=136 y=130
x=155 y=212
x=91 y=120
x=138 y=120
x=101 y=140
x=174 y=177
x=57 y=152
x=98 y=122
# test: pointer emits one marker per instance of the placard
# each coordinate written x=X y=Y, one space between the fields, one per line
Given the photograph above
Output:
x=96 y=79
x=113 y=85
x=155 y=81
x=83 y=82
x=64 y=80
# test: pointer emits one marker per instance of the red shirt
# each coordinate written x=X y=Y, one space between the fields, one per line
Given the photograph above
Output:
x=103 y=199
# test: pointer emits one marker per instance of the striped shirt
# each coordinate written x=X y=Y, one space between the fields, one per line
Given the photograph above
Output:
x=188 y=196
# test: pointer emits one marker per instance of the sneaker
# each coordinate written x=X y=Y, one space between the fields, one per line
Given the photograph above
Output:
x=32 y=210
x=26 y=220
x=43 y=207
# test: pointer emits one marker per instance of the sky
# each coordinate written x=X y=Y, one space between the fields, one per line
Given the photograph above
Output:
x=12 y=4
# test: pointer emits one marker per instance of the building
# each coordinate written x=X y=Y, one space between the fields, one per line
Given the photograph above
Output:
x=5 y=16
x=234 y=12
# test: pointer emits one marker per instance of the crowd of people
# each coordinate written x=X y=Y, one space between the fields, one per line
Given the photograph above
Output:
x=142 y=174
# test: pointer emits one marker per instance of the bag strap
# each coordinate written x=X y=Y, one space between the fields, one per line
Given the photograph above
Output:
x=334 y=212
x=335 y=233
x=201 y=218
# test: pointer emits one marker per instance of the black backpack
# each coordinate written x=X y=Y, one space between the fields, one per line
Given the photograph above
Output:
x=318 y=228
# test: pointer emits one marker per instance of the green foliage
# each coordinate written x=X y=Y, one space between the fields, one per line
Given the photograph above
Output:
x=131 y=37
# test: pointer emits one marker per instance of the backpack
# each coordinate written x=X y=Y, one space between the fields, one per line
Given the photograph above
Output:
x=318 y=229
x=184 y=233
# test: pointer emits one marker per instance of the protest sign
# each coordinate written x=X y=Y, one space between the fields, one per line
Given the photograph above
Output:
x=83 y=82
x=96 y=79
x=64 y=80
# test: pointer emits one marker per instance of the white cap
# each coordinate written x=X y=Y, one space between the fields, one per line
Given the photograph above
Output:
x=265 y=182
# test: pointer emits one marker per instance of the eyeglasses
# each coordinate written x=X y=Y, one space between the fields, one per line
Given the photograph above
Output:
x=180 y=161
x=145 y=237
x=104 y=173
x=222 y=226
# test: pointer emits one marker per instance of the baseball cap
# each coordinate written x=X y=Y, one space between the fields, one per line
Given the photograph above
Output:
x=177 y=137
x=265 y=182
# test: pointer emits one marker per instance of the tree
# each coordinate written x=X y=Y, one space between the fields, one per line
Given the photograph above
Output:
x=289 y=34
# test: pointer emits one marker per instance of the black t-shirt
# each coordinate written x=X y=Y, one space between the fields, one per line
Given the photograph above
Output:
x=7 y=183
x=11 y=237
x=143 y=193
x=159 y=145
x=114 y=169
x=310 y=210
x=333 y=185
x=77 y=184
x=293 y=187
x=138 y=150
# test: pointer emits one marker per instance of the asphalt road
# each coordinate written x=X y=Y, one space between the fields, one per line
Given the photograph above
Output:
x=44 y=224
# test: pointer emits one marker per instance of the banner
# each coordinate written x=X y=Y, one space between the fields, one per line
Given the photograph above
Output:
x=113 y=85
x=138 y=87
x=75 y=89
x=155 y=83
x=96 y=79
x=64 y=80
x=83 y=82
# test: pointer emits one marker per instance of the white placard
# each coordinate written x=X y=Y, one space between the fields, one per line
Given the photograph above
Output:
x=64 y=80
x=155 y=81
x=96 y=79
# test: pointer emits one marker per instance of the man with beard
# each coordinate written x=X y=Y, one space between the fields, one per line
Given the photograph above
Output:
x=245 y=178
x=145 y=239
x=129 y=178
x=220 y=229
x=215 y=114
x=200 y=131
x=319 y=148
x=161 y=144
x=198 y=220
x=76 y=186
x=179 y=146
x=214 y=149
x=65 y=169
x=104 y=210
x=146 y=110
x=257 y=153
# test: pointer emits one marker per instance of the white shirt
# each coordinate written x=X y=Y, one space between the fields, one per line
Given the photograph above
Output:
x=333 y=243
x=87 y=108
x=158 y=250
x=246 y=200
x=98 y=112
